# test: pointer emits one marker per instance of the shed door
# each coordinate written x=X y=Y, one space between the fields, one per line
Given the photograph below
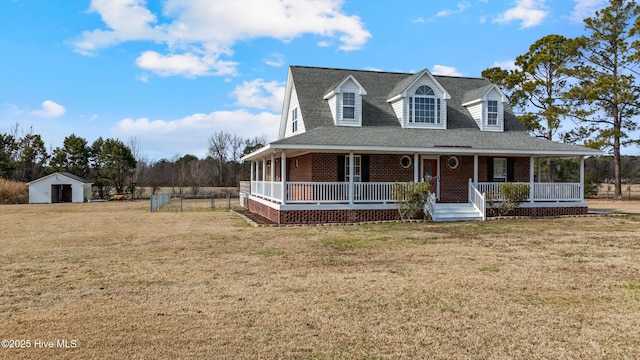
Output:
x=61 y=193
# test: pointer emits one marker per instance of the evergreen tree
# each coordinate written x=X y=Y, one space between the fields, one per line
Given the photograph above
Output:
x=605 y=98
x=535 y=88
x=73 y=157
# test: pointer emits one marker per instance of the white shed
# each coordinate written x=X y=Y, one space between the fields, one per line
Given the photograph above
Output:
x=59 y=187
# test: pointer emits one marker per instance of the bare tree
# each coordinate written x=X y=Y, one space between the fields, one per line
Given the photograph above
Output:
x=219 y=148
x=139 y=173
x=237 y=147
x=197 y=175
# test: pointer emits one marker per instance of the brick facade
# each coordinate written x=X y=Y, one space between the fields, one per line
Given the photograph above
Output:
x=454 y=183
x=320 y=167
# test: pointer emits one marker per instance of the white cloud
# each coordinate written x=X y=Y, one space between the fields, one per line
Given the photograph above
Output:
x=586 y=8
x=528 y=11
x=125 y=20
x=50 y=110
x=445 y=70
x=419 y=20
x=506 y=65
x=258 y=94
x=461 y=7
x=189 y=135
x=188 y=65
x=275 y=60
x=197 y=32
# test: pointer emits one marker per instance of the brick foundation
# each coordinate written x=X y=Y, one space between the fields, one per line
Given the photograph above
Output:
x=357 y=216
x=544 y=212
x=321 y=216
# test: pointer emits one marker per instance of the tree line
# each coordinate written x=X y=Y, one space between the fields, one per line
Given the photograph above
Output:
x=590 y=80
x=118 y=167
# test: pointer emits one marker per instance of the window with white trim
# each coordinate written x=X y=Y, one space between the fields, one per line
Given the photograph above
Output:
x=349 y=106
x=424 y=107
x=492 y=112
x=357 y=168
x=294 y=120
x=500 y=169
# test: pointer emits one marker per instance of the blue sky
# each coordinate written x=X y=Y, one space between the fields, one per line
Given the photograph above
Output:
x=169 y=73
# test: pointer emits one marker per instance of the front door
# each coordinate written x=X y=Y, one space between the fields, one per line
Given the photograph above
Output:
x=430 y=173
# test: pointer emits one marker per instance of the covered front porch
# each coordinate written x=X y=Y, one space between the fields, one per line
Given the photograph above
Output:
x=364 y=184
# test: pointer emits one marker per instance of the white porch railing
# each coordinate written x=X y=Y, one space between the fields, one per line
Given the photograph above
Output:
x=478 y=200
x=541 y=191
x=557 y=192
x=325 y=192
x=267 y=189
x=382 y=192
x=317 y=192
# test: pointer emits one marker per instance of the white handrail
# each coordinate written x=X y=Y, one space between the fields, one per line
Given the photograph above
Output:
x=430 y=206
x=478 y=200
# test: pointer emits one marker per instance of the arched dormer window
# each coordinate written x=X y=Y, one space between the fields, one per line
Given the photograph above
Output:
x=424 y=107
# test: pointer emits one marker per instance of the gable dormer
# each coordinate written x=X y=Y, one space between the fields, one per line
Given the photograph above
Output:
x=345 y=102
x=486 y=106
x=420 y=101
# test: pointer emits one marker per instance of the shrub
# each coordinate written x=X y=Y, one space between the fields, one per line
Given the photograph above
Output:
x=13 y=192
x=411 y=198
x=591 y=186
x=512 y=196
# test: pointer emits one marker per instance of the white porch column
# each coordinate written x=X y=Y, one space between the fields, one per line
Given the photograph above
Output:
x=531 y=179
x=272 y=174
x=253 y=177
x=416 y=168
x=283 y=176
x=264 y=169
x=581 y=178
x=475 y=170
x=351 y=178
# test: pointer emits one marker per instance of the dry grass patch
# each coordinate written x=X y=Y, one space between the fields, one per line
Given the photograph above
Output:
x=126 y=283
x=13 y=192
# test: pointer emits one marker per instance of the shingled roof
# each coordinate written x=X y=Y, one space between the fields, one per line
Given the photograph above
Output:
x=381 y=127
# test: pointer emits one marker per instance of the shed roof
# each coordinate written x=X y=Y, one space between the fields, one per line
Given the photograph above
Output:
x=65 y=174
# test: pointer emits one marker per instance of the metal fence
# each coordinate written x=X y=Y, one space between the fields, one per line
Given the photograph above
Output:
x=159 y=200
x=189 y=203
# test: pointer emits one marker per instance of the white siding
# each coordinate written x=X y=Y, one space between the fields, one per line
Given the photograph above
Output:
x=293 y=104
x=399 y=110
x=332 y=106
x=476 y=113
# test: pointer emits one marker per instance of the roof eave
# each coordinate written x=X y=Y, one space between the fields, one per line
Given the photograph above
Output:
x=258 y=154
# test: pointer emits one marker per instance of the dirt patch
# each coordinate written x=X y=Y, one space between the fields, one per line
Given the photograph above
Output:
x=257 y=219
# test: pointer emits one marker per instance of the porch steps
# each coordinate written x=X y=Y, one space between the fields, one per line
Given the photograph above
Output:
x=456 y=212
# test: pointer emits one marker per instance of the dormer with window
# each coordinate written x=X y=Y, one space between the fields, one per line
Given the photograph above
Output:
x=345 y=102
x=420 y=102
x=486 y=106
